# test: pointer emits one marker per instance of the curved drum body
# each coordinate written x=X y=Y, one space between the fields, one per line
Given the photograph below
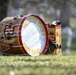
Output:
x=23 y=35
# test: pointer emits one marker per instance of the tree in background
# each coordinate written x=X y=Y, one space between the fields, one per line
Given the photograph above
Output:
x=3 y=8
x=15 y=7
x=65 y=12
x=64 y=7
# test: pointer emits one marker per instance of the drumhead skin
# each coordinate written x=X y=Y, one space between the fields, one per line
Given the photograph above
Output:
x=33 y=35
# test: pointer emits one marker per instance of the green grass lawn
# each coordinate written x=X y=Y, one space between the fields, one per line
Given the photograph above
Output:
x=72 y=52
x=41 y=65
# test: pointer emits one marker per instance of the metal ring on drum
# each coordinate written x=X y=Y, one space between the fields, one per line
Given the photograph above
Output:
x=33 y=35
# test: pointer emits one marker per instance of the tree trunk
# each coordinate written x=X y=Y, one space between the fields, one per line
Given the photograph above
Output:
x=3 y=8
x=65 y=13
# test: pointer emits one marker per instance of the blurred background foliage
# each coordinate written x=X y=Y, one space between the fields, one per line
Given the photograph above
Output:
x=48 y=10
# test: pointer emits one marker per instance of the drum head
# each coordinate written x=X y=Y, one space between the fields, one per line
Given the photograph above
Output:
x=33 y=35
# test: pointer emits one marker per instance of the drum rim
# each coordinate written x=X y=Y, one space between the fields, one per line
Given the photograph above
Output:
x=46 y=31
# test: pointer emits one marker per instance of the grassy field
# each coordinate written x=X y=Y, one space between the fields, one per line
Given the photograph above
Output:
x=41 y=65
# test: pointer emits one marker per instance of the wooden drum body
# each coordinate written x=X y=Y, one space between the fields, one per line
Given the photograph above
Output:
x=23 y=35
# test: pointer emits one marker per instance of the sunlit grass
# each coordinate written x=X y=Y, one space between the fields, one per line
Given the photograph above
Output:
x=73 y=23
x=41 y=65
